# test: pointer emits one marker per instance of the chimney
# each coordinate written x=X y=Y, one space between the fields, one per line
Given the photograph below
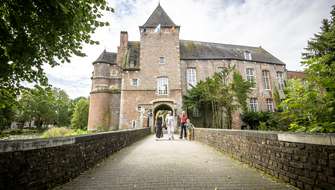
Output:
x=123 y=39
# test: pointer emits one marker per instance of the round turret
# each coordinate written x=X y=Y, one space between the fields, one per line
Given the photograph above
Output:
x=100 y=96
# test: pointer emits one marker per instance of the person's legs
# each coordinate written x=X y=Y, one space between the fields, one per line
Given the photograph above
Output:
x=181 y=131
x=172 y=132
x=185 y=132
x=169 y=132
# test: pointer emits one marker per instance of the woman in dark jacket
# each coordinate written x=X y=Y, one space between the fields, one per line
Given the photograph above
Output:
x=159 y=125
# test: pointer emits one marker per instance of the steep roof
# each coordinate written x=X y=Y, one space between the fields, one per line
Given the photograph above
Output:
x=193 y=50
x=159 y=16
x=106 y=57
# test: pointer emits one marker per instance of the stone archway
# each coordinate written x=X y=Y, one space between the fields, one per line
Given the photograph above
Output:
x=161 y=109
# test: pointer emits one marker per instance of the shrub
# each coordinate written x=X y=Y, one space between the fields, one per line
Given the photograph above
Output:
x=265 y=121
x=62 y=132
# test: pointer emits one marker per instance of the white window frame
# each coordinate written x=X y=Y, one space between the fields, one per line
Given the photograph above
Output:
x=266 y=79
x=191 y=77
x=132 y=82
x=162 y=85
x=247 y=55
x=269 y=105
x=251 y=77
x=162 y=60
x=195 y=112
x=280 y=78
x=253 y=104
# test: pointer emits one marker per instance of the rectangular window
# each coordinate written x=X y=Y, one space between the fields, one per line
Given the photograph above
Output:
x=251 y=76
x=162 y=85
x=247 y=55
x=266 y=79
x=162 y=60
x=253 y=104
x=280 y=79
x=269 y=104
x=134 y=82
x=195 y=112
x=191 y=77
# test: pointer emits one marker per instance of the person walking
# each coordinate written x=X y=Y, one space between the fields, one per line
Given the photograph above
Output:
x=170 y=122
x=183 y=120
x=159 y=125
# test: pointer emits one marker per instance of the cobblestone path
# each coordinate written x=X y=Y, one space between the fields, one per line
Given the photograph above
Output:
x=179 y=164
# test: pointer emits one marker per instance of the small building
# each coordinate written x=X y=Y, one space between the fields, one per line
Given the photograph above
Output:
x=296 y=75
x=152 y=74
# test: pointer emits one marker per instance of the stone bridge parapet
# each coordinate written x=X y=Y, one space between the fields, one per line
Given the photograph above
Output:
x=304 y=160
x=45 y=163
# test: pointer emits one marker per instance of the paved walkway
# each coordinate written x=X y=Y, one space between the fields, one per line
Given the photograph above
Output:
x=179 y=164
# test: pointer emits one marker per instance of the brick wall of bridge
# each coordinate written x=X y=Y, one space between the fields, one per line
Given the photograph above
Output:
x=305 y=161
x=45 y=163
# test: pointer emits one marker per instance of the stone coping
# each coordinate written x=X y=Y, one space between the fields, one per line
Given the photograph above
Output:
x=300 y=137
x=38 y=143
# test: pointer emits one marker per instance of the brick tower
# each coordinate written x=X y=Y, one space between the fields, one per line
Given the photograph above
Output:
x=105 y=93
x=151 y=71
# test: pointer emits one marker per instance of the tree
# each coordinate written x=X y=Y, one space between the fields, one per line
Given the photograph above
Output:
x=35 y=32
x=311 y=106
x=320 y=61
x=45 y=105
x=62 y=107
x=306 y=108
x=80 y=116
x=38 y=105
x=220 y=95
x=241 y=88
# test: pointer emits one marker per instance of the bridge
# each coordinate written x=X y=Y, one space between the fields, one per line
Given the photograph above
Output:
x=133 y=159
x=179 y=164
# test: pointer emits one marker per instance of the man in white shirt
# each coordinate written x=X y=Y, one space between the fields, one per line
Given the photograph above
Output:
x=170 y=122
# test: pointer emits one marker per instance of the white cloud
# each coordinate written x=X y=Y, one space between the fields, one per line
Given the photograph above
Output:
x=280 y=26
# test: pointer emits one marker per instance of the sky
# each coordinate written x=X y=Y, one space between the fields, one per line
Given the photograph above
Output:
x=281 y=27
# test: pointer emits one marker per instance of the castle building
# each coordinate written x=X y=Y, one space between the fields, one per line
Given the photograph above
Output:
x=130 y=86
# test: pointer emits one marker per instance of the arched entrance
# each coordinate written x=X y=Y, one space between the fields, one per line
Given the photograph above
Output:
x=161 y=109
x=158 y=106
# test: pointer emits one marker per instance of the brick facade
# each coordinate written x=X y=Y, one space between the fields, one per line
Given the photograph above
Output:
x=138 y=62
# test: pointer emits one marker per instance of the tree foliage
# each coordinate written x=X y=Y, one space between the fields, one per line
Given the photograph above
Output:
x=62 y=107
x=221 y=94
x=310 y=106
x=36 y=32
x=306 y=107
x=43 y=105
x=80 y=115
x=38 y=105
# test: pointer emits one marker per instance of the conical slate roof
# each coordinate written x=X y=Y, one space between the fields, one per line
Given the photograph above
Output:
x=106 y=57
x=159 y=16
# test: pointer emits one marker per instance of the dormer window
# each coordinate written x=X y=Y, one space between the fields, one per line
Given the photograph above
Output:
x=247 y=55
x=162 y=60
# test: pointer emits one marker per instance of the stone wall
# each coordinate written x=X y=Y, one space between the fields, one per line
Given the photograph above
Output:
x=45 y=163
x=305 y=161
